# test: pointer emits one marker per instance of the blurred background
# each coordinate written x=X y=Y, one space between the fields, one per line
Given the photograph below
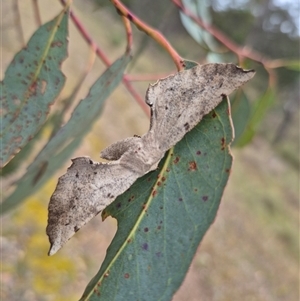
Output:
x=251 y=252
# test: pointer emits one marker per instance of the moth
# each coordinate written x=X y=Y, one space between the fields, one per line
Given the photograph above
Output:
x=178 y=103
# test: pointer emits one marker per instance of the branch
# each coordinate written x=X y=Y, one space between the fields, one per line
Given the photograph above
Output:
x=227 y=42
x=241 y=52
x=105 y=59
x=128 y=30
x=156 y=35
x=146 y=77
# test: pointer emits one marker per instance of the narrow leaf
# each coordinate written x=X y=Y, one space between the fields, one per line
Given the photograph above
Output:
x=258 y=112
x=164 y=215
x=240 y=111
x=32 y=82
x=67 y=139
x=292 y=65
x=201 y=9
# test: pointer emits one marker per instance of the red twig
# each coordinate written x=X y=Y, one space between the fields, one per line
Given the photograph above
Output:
x=241 y=52
x=105 y=59
x=156 y=35
x=128 y=30
x=227 y=42
x=145 y=77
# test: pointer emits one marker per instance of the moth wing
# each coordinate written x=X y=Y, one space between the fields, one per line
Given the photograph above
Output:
x=180 y=101
x=117 y=149
x=85 y=190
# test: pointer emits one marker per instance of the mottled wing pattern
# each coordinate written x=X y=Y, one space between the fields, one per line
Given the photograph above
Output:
x=180 y=101
x=85 y=190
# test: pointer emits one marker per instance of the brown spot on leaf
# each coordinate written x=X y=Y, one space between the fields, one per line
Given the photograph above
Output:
x=18 y=139
x=33 y=88
x=56 y=44
x=145 y=246
x=154 y=192
x=223 y=143
x=192 y=165
x=198 y=153
x=43 y=87
x=146 y=229
x=205 y=198
x=126 y=275
x=214 y=115
x=176 y=160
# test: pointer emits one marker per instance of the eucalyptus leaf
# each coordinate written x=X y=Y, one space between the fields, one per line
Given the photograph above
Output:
x=65 y=141
x=163 y=217
x=32 y=82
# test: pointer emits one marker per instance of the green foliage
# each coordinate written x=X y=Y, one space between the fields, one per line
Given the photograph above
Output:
x=201 y=9
x=164 y=215
x=32 y=82
x=240 y=110
x=67 y=139
x=259 y=110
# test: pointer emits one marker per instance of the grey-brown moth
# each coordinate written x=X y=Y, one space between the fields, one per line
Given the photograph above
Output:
x=177 y=103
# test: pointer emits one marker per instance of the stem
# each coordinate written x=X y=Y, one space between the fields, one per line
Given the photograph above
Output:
x=128 y=30
x=227 y=42
x=241 y=52
x=156 y=35
x=106 y=60
x=146 y=77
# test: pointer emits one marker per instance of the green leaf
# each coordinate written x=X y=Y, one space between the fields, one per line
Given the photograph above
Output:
x=67 y=139
x=258 y=112
x=163 y=217
x=292 y=65
x=189 y=64
x=198 y=8
x=240 y=111
x=32 y=82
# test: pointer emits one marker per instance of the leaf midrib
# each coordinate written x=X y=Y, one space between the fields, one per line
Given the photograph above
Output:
x=134 y=229
x=39 y=67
